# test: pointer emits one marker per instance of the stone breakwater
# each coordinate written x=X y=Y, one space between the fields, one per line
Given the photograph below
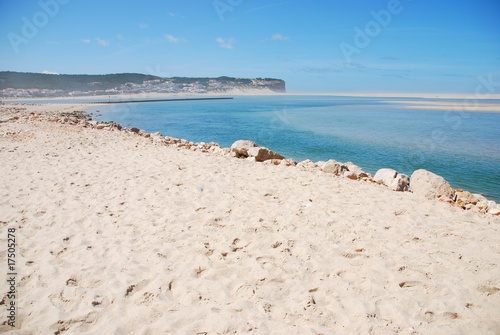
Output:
x=421 y=182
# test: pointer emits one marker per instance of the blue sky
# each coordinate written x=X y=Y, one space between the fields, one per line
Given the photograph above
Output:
x=421 y=46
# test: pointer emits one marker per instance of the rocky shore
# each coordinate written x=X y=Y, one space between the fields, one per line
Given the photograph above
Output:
x=421 y=182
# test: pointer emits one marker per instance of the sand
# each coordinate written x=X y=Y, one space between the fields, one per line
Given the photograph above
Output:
x=117 y=234
x=457 y=107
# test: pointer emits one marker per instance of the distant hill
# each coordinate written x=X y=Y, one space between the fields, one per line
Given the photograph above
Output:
x=17 y=84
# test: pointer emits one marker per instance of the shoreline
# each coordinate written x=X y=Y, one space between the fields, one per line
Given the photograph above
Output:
x=465 y=104
x=469 y=201
x=119 y=231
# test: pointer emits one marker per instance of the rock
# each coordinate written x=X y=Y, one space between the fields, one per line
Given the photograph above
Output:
x=392 y=179
x=288 y=162
x=251 y=159
x=357 y=170
x=353 y=168
x=157 y=137
x=307 y=165
x=240 y=148
x=272 y=162
x=334 y=167
x=480 y=197
x=464 y=198
x=430 y=185
x=471 y=207
x=443 y=198
x=350 y=175
x=135 y=130
x=385 y=176
x=321 y=164
x=262 y=154
x=495 y=210
x=100 y=126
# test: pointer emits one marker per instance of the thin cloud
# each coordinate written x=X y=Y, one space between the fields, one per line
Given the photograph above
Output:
x=143 y=25
x=102 y=42
x=86 y=40
x=172 y=14
x=172 y=39
x=279 y=37
x=225 y=43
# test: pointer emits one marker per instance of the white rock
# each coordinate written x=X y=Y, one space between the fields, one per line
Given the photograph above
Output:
x=307 y=165
x=240 y=148
x=357 y=170
x=262 y=154
x=430 y=185
x=392 y=179
x=354 y=168
x=495 y=210
x=385 y=176
x=321 y=164
x=272 y=162
x=334 y=167
x=288 y=162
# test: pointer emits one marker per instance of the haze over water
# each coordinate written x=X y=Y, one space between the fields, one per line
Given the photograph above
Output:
x=371 y=132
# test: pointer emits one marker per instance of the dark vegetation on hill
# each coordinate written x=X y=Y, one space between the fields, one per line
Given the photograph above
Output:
x=17 y=84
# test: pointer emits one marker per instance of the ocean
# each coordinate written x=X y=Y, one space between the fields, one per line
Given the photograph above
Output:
x=374 y=133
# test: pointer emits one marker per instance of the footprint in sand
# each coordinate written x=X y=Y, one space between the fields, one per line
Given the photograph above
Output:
x=266 y=262
x=489 y=290
x=407 y=284
x=245 y=292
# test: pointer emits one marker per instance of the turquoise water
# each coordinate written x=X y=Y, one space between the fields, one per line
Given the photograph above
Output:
x=464 y=148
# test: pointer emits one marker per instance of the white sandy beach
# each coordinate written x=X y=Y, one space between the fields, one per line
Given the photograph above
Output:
x=117 y=234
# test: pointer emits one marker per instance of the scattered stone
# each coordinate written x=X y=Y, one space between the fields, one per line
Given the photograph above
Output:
x=334 y=167
x=464 y=198
x=307 y=165
x=321 y=164
x=262 y=154
x=495 y=210
x=288 y=162
x=350 y=175
x=356 y=170
x=392 y=179
x=239 y=149
x=446 y=199
x=272 y=162
x=430 y=185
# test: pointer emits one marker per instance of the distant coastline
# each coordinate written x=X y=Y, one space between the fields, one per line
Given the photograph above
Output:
x=40 y=85
x=448 y=102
